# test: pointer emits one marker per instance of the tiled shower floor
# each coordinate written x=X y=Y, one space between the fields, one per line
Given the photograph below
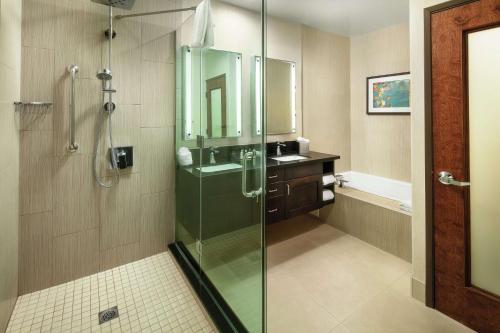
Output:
x=151 y=295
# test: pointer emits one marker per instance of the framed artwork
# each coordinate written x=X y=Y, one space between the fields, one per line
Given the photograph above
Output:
x=388 y=94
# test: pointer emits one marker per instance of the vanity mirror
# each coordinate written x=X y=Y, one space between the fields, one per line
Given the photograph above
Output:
x=211 y=93
x=281 y=96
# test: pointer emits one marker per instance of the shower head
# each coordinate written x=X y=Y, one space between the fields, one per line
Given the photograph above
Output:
x=105 y=75
x=124 y=4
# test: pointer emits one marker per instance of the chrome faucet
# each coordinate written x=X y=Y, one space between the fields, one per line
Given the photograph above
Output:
x=278 y=148
x=213 y=151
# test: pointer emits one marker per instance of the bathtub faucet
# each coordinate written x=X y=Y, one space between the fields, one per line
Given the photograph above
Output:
x=339 y=180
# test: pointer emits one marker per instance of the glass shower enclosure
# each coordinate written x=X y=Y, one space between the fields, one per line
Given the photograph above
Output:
x=220 y=161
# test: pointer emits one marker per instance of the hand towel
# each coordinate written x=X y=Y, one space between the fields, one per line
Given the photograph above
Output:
x=203 y=28
x=328 y=180
x=184 y=156
x=328 y=195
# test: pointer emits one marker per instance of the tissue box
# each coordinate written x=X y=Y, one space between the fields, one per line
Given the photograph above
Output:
x=303 y=148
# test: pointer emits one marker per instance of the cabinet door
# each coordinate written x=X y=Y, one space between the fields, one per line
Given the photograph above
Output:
x=303 y=195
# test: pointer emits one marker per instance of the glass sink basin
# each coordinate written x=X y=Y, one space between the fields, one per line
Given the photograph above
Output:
x=289 y=158
x=219 y=168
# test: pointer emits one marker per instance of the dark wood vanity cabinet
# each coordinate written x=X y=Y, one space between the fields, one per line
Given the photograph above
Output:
x=303 y=195
x=296 y=188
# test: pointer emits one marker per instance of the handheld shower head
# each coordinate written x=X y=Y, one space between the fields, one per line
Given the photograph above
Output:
x=124 y=4
x=105 y=75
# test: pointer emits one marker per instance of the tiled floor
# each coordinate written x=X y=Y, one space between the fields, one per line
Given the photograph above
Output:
x=151 y=294
x=323 y=280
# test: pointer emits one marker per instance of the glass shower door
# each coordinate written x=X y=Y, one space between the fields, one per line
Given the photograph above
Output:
x=220 y=202
x=231 y=200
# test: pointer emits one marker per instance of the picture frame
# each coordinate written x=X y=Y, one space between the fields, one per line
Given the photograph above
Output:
x=388 y=94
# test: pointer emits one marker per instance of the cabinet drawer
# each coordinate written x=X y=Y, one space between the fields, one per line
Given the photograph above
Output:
x=274 y=175
x=275 y=189
x=303 y=171
x=275 y=210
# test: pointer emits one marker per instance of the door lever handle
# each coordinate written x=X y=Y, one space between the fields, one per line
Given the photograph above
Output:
x=446 y=178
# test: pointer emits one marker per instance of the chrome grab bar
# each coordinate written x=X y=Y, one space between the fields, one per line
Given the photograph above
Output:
x=73 y=146
x=248 y=194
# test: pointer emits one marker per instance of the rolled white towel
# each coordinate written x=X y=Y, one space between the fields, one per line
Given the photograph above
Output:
x=406 y=206
x=328 y=180
x=328 y=195
x=184 y=156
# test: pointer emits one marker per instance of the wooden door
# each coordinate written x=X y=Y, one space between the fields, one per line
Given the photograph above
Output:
x=216 y=107
x=455 y=133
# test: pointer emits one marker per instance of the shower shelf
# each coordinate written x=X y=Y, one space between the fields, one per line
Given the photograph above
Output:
x=28 y=104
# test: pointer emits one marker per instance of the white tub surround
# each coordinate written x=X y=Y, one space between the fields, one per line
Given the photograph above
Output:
x=383 y=187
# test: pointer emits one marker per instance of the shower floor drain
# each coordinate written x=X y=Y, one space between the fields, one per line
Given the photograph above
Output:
x=107 y=315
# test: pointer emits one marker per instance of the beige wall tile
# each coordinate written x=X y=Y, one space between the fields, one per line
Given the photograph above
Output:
x=158 y=32
x=38 y=23
x=35 y=264
x=10 y=78
x=380 y=144
x=37 y=81
x=83 y=216
x=158 y=94
x=9 y=91
x=120 y=212
x=158 y=214
x=157 y=159
x=75 y=200
x=36 y=171
x=36 y=185
x=379 y=226
x=119 y=256
x=76 y=255
x=326 y=94
x=79 y=32
x=9 y=217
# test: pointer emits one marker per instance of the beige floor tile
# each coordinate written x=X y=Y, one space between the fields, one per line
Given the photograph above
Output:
x=393 y=312
x=291 y=309
x=340 y=329
x=362 y=287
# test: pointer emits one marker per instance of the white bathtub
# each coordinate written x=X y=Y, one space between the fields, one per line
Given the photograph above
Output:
x=384 y=187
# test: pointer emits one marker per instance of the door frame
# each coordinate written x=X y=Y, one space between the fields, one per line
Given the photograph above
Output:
x=429 y=177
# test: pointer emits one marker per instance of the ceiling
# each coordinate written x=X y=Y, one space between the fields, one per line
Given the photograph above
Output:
x=344 y=17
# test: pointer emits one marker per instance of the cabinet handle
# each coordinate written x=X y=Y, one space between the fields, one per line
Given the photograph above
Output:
x=273 y=177
x=273 y=211
x=288 y=188
x=273 y=191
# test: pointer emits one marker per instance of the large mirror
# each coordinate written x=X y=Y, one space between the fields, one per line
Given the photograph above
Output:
x=212 y=93
x=281 y=96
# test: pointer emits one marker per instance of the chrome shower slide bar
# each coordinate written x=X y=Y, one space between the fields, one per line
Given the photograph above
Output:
x=73 y=146
x=119 y=17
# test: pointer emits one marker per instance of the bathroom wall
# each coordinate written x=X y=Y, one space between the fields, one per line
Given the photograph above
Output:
x=326 y=59
x=70 y=227
x=418 y=143
x=284 y=42
x=381 y=145
x=10 y=77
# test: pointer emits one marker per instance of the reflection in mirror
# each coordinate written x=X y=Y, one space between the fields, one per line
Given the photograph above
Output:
x=281 y=96
x=212 y=93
